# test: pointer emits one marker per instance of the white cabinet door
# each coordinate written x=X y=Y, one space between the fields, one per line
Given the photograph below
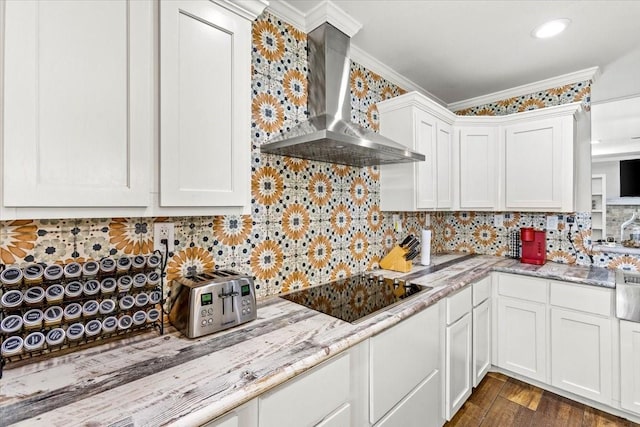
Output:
x=481 y=341
x=458 y=381
x=424 y=126
x=478 y=168
x=78 y=104
x=522 y=337
x=434 y=180
x=401 y=357
x=205 y=54
x=581 y=354
x=421 y=408
x=308 y=399
x=426 y=136
x=630 y=366
x=533 y=158
x=444 y=166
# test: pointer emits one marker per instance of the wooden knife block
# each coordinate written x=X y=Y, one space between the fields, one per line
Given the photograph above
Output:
x=395 y=261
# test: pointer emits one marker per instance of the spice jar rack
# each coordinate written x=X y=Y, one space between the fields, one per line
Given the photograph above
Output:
x=55 y=309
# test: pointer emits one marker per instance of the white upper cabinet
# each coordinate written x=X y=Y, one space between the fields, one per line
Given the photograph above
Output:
x=205 y=95
x=532 y=161
x=478 y=167
x=545 y=157
x=533 y=164
x=78 y=105
x=82 y=135
x=423 y=126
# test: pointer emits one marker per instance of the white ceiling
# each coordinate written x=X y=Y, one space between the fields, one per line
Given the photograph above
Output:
x=458 y=50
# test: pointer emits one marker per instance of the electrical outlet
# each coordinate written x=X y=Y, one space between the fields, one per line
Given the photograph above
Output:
x=163 y=230
x=552 y=222
x=571 y=219
x=498 y=220
x=397 y=223
x=427 y=220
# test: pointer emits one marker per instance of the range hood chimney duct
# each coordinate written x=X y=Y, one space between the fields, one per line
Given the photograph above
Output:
x=329 y=135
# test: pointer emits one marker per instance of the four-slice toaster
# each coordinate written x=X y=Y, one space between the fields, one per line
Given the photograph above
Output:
x=213 y=301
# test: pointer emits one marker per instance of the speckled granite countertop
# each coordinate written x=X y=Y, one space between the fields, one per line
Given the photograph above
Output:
x=156 y=380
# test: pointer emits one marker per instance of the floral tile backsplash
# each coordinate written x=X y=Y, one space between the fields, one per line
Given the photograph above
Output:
x=310 y=222
x=579 y=91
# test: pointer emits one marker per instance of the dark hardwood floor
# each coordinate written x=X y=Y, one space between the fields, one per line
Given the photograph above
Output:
x=503 y=401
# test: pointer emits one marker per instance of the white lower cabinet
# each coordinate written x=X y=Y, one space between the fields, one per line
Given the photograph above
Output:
x=581 y=354
x=419 y=409
x=308 y=399
x=522 y=325
x=630 y=366
x=458 y=368
x=401 y=359
x=481 y=341
x=458 y=351
x=522 y=337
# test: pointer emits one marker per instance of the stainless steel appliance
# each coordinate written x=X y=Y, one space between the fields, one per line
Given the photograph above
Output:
x=628 y=295
x=356 y=297
x=211 y=302
x=329 y=135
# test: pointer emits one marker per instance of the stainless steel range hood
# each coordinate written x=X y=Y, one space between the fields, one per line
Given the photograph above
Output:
x=329 y=135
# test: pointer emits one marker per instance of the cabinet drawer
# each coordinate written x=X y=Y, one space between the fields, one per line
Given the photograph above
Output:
x=458 y=305
x=521 y=287
x=308 y=399
x=420 y=408
x=401 y=357
x=339 y=418
x=582 y=297
x=481 y=290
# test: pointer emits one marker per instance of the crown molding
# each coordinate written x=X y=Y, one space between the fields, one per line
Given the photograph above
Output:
x=540 y=113
x=417 y=100
x=587 y=74
x=327 y=11
x=249 y=9
x=363 y=58
x=287 y=12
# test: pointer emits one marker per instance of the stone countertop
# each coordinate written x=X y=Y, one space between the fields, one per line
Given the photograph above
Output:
x=157 y=380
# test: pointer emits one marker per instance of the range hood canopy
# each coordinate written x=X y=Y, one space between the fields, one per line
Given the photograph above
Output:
x=329 y=135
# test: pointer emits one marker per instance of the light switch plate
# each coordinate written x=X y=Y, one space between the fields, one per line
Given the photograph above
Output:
x=498 y=220
x=552 y=222
x=427 y=220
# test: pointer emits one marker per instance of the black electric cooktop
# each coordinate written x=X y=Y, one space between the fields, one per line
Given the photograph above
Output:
x=355 y=297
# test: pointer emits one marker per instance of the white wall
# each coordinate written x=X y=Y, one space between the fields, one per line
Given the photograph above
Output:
x=618 y=79
x=612 y=171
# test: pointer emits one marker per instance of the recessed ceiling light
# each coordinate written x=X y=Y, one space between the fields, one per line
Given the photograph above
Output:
x=595 y=141
x=551 y=28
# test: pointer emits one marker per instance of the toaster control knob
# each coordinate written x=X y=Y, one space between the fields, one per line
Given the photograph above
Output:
x=203 y=312
x=210 y=311
x=210 y=321
x=204 y=322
